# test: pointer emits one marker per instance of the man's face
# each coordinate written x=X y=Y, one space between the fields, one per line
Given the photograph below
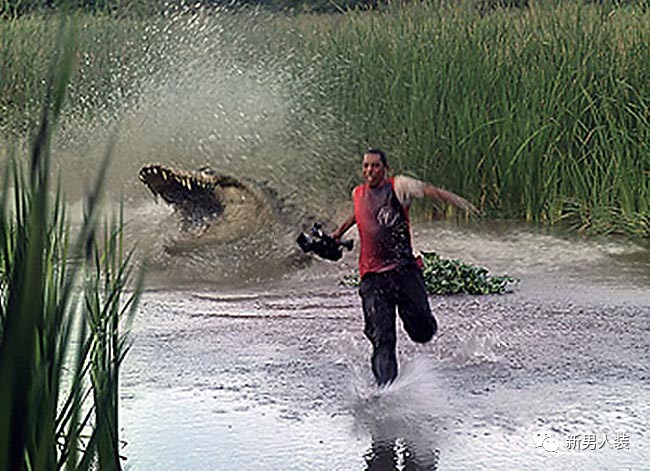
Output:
x=374 y=171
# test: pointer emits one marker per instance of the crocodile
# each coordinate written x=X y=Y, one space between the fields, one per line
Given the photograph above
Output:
x=200 y=197
x=243 y=221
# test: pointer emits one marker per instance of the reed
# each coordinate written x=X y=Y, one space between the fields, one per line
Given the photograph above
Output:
x=538 y=113
x=65 y=303
x=104 y=48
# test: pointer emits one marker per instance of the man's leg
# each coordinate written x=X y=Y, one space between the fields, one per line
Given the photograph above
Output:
x=413 y=305
x=379 y=315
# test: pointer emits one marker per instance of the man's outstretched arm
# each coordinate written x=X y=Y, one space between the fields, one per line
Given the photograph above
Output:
x=448 y=197
x=347 y=224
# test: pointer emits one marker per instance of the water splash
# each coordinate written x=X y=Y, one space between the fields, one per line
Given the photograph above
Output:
x=198 y=88
x=478 y=346
x=404 y=418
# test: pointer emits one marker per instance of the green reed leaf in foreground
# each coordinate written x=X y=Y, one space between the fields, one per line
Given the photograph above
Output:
x=59 y=358
x=443 y=276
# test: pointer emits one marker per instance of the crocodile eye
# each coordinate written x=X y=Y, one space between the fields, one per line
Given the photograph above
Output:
x=206 y=170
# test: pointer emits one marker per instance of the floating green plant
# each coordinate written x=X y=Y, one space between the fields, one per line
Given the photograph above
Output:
x=444 y=276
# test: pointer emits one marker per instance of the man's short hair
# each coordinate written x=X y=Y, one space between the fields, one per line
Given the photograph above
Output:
x=380 y=153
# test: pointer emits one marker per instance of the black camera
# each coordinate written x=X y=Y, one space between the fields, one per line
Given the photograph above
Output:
x=322 y=244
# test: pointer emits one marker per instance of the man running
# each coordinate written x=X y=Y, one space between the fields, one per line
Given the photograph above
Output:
x=391 y=278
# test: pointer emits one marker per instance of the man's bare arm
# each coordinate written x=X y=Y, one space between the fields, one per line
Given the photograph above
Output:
x=347 y=224
x=448 y=197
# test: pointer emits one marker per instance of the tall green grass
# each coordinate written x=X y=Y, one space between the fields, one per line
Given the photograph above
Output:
x=539 y=113
x=65 y=306
x=104 y=58
x=117 y=56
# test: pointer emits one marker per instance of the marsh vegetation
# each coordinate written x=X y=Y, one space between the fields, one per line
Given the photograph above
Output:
x=539 y=113
x=66 y=301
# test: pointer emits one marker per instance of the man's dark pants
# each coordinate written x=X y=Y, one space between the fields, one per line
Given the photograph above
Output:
x=382 y=293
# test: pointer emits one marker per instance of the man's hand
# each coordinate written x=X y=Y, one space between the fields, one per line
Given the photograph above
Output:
x=461 y=203
x=448 y=197
x=347 y=224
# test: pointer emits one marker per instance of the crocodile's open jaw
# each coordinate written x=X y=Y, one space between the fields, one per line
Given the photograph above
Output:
x=192 y=193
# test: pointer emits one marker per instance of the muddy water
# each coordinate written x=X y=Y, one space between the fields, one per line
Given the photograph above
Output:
x=274 y=375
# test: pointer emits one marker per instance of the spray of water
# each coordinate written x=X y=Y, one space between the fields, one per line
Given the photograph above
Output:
x=195 y=89
x=403 y=419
